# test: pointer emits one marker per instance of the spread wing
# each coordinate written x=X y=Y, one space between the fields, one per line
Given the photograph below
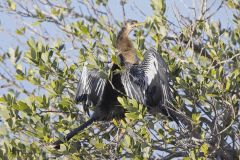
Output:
x=90 y=88
x=148 y=83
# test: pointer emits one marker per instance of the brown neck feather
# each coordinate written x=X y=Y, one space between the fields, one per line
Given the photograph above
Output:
x=125 y=47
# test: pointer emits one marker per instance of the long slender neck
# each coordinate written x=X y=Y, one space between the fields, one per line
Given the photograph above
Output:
x=125 y=46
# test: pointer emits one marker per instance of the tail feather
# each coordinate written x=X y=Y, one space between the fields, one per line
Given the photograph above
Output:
x=57 y=143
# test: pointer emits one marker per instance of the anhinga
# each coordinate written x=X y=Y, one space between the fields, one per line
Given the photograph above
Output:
x=146 y=81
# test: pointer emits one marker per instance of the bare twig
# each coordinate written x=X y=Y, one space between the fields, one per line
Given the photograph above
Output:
x=123 y=2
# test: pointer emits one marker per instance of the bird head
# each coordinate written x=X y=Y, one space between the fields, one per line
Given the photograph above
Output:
x=131 y=24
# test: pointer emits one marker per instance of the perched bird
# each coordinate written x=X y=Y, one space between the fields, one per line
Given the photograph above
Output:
x=146 y=81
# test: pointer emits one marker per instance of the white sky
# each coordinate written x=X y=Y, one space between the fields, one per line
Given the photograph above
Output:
x=9 y=23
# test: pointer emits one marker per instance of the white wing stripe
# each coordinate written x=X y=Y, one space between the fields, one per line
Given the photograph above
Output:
x=151 y=77
x=90 y=87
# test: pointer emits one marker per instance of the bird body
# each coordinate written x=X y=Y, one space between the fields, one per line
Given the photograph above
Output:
x=146 y=81
x=109 y=107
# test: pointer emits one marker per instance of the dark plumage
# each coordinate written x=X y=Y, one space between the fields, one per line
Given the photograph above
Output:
x=146 y=81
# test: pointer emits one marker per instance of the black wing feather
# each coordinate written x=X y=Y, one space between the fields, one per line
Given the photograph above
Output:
x=148 y=83
x=90 y=88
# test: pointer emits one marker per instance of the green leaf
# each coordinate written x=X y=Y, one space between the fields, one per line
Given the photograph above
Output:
x=11 y=4
x=204 y=149
x=2 y=99
x=132 y=115
x=192 y=155
x=115 y=59
x=178 y=79
x=121 y=101
x=134 y=103
x=34 y=24
x=21 y=106
x=99 y=145
x=231 y=4
x=84 y=29
x=65 y=102
x=127 y=141
x=158 y=6
x=161 y=133
x=195 y=118
x=228 y=85
x=55 y=11
x=21 y=31
x=45 y=56
x=115 y=122
x=39 y=13
x=11 y=122
x=31 y=43
x=113 y=38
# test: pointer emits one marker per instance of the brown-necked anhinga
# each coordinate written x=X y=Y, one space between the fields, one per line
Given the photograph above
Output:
x=146 y=81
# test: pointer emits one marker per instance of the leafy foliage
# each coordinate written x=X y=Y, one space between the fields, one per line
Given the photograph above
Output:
x=38 y=80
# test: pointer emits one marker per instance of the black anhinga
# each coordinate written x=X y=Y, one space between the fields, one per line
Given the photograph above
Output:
x=146 y=81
